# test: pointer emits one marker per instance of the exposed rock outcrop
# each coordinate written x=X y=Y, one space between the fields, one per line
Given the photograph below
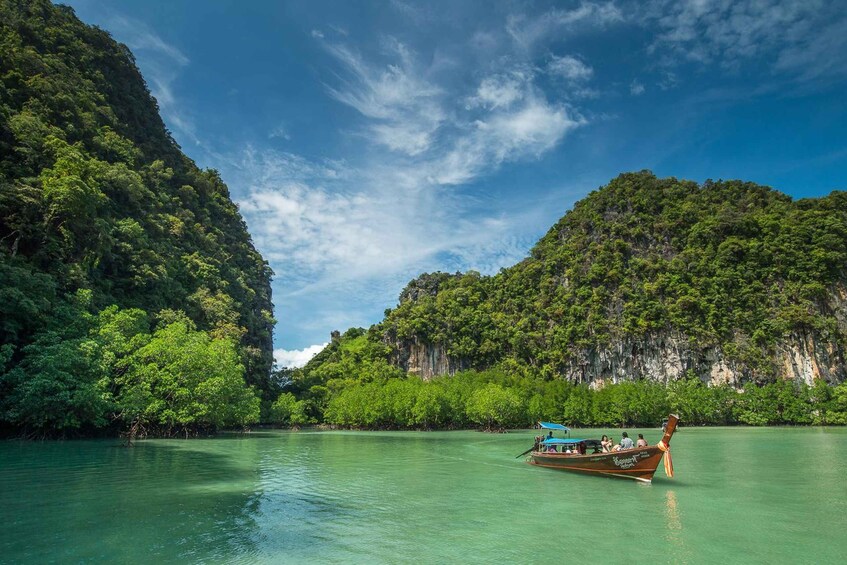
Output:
x=425 y=360
x=663 y=357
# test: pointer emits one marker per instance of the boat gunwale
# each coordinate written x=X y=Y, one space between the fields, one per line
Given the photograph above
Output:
x=600 y=454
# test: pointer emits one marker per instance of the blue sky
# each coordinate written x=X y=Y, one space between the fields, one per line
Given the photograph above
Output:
x=368 y=142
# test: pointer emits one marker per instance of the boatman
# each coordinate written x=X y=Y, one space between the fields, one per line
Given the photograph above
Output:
x=626 y=443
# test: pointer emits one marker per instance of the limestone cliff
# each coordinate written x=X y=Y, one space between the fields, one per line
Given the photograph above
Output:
x=663 y=357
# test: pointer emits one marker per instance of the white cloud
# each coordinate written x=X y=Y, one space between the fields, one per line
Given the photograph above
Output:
x=396 y=213
x=570 y=68
x=501 y=91
x=668 y=80
x=404 y=107
x=507 y=117
x=317 y=34
x=297 y=357
x=312 y=227
x=139 y=37
x=527 y=130
x=823 y=55
x=339 y=30
x=526 y=31
x=636 y=88
x=496 y=92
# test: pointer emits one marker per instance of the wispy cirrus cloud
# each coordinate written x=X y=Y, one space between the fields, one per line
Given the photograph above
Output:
x=528 y=30
x=803 y=38
x=313 y=226
x=524 y=130
x=279 y=132
x=501 y=90
x=569 y=67
x=364 y=229
x=505 y=118
x=403 y=106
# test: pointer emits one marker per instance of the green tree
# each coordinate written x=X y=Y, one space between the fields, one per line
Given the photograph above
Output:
x=60 y=385
x=431 y=407
x=183 y=380
x=577 y=410
x=494 y=406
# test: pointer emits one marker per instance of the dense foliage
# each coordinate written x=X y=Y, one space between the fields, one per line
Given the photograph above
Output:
x=468 y=399
x=725 y=265
x=728 y=264
x=95 y=196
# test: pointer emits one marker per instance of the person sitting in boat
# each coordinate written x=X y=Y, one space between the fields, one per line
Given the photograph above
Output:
x=568 y=450
x=626 y=442
x=606 y=444
x=551 y=449
x=641 y=441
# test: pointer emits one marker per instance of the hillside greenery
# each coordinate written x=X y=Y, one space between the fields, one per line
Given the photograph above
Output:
x=727 y=264
x=131 y=295
x=730 y=265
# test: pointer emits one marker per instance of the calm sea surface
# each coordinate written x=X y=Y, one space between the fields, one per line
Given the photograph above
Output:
x=740 y=495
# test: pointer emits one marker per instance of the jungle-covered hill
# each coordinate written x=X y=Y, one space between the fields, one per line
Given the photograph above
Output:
x=646 y=281
x=130 y=291
x=649 y=278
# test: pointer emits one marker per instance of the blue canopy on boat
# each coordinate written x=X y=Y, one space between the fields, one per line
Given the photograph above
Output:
x=557 y=441
x=552 y=426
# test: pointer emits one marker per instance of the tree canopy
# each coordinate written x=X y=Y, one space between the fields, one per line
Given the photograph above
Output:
x=97 y=198
x=728 y=265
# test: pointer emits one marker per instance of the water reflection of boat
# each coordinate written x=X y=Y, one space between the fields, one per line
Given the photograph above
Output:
x=587 y=456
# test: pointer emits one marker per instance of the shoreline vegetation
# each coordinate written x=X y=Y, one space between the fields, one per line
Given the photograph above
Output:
x=495 y=400
x=490 y=401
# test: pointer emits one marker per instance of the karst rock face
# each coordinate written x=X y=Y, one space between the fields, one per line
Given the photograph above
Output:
x=662 y=357
x=648 y=278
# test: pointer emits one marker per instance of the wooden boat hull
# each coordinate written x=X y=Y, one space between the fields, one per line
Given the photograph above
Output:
x=639 y=463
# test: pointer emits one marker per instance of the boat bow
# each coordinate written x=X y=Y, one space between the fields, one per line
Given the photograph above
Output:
x=665 y=444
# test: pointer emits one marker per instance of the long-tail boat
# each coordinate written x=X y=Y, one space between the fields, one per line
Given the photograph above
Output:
x=587 y=456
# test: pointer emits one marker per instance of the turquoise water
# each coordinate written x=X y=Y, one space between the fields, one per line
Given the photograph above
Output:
x=741 y=495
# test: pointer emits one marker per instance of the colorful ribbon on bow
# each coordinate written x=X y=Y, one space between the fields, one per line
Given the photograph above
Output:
x=668 y=461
